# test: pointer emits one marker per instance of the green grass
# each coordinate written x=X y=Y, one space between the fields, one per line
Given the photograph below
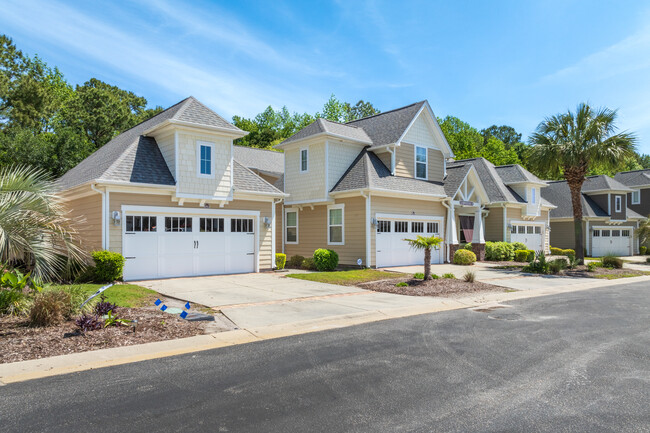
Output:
x=122 y=295
x=617 y=276
x=347 y=278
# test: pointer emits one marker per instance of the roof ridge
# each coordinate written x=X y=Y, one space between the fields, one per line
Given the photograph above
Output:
x=151 y=118
x=386 y=112
x=634 y=171
x=183 y=108
x=259 y=148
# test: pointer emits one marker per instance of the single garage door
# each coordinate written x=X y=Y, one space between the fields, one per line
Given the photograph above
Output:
x=392 y=250
x=165 y=246
x=605 y=240
x=529 y=235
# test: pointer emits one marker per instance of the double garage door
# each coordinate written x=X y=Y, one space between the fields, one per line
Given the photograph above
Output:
x=164 y=246
x=392 y=250
x=606 y=240
x=530 y=235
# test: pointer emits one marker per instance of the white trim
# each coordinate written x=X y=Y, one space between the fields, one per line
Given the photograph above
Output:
x=228 y=131
x=289 y=203
x=528 y=223
x=176 y=158
x=333 y=207
x=609 y=204
x=368 y=233
x=199 y=145
x=306 y=170
x=188 y=211
x=618 y=204
x=232 y=169
x=327 y=167
x=638 y=191
x=416 y=162
x=286 y=226
x=390 y=216
x=204 y=196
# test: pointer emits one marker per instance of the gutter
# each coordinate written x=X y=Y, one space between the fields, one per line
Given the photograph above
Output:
x=446 y=203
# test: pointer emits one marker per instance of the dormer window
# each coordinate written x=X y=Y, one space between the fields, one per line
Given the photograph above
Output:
x=420 y=162
x=533 y=195
x=304 y=160
x=618 y=203
x=205 y=159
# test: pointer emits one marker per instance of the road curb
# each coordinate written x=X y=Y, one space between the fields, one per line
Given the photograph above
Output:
x=76 y=362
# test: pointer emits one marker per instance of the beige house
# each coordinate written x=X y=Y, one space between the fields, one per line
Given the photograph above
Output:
x=170 y=195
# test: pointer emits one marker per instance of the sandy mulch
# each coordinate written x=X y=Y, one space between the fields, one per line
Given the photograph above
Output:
x=581 y=271
x=20 y=342
x=439 y=287
x=506 y=264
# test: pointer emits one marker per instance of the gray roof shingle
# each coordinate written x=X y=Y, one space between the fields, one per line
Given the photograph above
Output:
x=634 y=178
x=245 y=180
x=603 y=182
x=389 y=126
x=496 y=190
x=455 y=176
x=515 y=173
x=264 y=160
x=324 y=126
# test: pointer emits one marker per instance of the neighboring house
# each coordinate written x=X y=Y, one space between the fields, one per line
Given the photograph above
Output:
x=176 y=198
x=608 y=222
x=639 y=181
x=516 y=211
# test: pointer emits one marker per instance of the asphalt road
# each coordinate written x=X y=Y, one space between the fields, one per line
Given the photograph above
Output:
x=565 y=363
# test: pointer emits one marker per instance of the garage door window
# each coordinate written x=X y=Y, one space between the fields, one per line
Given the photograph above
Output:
x=521 y=230
x=178 y=224
x=538 y=230
x=241 y=225
x=616 y=233
x=605 y=233
x=417 y=227
x=401 y=226
x=292 y=227
x=335 y=225
x=140 y=223
x=383 y=226
x=596 y=233
x=625 y=233
x=530 y=230
x=432 y=228
x=211 y=225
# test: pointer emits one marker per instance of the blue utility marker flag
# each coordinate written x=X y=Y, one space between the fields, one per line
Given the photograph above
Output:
x=183 y=314
x=158 y=302
x=187 y=306
x=163 y=308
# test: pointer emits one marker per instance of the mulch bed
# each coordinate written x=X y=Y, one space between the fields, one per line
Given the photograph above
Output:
x=20 y=342
x=581 y=271
x=507 y=263
x=439 y=287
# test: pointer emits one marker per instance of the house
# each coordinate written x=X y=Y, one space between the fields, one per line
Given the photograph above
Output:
x=608 y=221
x=639 y=181
x=176 y=198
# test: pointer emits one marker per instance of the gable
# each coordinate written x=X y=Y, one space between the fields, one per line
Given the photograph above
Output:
x=420 y=133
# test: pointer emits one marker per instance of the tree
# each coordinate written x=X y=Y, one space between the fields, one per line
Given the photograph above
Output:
x=359 y=110
x=464 y=140
x=34 y=228
x=570 y=144
x=425 y=243
x=642 y=233
x=497 y=153
x=334 y=110
x=506 y=134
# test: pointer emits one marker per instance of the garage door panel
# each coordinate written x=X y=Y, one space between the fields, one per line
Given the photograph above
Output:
x=530 y=235
x=392 y=250
x=176 y=255
x=615 y=241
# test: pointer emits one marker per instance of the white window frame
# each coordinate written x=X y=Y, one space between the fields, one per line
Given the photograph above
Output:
x=533 y=195
x=286 y=226
x=306 y=150
x=618 y=203
x=638 y=199
x=331 y=207
x=209 y=144
x=416 y=162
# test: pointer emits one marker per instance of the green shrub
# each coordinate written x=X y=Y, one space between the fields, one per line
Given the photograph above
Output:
x=308 y=264
x=467 y=247
x=519 y=246
x=16 y=292
x=14 y=302
x=538 y=265
x=569 y=252
x=464 y=257
x=499 y=251
x=402 y=284
x=280 y=260
x=610 y=261
x=108 y=266
x=295 y=261
x=591 y=266
x=418 y=276
x=643 y=249
x=434 y=276
x=449 y=275
x=469 y=276
x=326 y=260
x=557 y=265
x=521 y=256
x=86 y=276
x=556 y=251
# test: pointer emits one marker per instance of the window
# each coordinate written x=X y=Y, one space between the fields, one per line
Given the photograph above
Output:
x=513 y=230
x=533 y=195
x=421 y=162
x=383 y=226
x=538 y=230
x=291 y=227
x=616 y=233
x=241 y=225
x=401 y=226
x=141 y=223
x=618 y=200
x=417 y=227
x=521 y=230
x=335 y=225
x=304 y=160
x=205 y=163
x=596 y=233
x=605 y=233
x=211 y=225
x=432 y=228
x=636 y=197
x=530 y=229
x=625 y=233
x=178 y=224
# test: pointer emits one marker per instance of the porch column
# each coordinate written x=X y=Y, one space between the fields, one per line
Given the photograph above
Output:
x=478 y=236
x=452 y=235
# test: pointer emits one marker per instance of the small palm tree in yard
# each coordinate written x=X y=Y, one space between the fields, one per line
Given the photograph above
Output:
x=568 y=145
x=425 y=243
x=34 y=228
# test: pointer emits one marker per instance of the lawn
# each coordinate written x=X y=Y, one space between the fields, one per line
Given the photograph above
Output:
x=122 y=295
x=347 y=278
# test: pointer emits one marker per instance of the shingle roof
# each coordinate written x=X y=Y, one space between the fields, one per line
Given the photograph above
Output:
x=515 y=173
x=367 y=171
x=130 y=157
x=603 y=182
x=455 y=176
x=387 y=127
x=634 y=178
x=320 y=126
x=279 y=184
x=267 y=161
x=245 y=180
x=496 y=190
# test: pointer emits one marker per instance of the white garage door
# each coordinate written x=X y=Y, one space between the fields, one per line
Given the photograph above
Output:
x=607 y=240
x=392 y=250
x=164 y=246
x=529 y=235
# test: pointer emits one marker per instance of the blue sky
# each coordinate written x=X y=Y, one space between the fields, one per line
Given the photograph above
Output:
x=508 y=62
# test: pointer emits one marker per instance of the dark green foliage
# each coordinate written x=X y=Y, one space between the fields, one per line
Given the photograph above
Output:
x=591 y=266
x=308 y=264
x=418 y=276
x=610 y=261
x=295 y=261
x=280 y=260
x=464 y=257
x=402 y=284
x=499 y=251
x=524 y=255
x=467 y=247
x=556 y=266
x=518 y=246
x=108 y=266
x=539 y=265
x=16 y=292
x=326 y=260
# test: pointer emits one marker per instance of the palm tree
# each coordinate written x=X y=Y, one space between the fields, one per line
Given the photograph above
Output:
x=643 y=232
x=425 y=243
x=34 y=228
x=569 y=144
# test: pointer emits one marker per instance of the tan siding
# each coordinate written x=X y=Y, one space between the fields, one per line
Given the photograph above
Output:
x=312 y=231
x=264 y=236
x=339 y=159
x=188 y=180
x=436 y=169
x=399 y=206
x=562 y=234
x=167 y=147
x=420 y=133
x=87 y=212
x=404 y=160
x=494 y=225
x=309 y=185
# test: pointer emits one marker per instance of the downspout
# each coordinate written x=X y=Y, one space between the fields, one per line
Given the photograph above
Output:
x=368 y=224
x=448 y=226
x=505 y=222
x=103 y=194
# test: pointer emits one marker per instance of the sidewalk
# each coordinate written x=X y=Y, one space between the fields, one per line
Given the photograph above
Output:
x=376 y=310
